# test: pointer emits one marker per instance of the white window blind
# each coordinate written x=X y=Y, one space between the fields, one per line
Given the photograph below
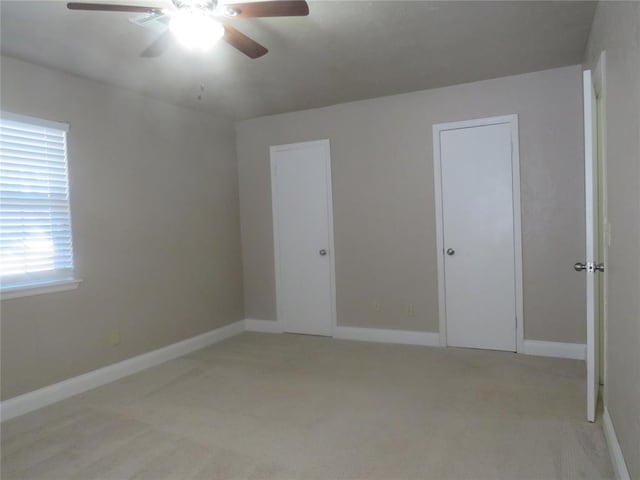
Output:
x=35 y=221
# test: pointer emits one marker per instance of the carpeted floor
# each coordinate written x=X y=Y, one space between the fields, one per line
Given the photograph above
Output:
x=299 y=407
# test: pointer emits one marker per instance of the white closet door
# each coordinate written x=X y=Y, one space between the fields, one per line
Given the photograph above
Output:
x=478 y=233
x=303 y=235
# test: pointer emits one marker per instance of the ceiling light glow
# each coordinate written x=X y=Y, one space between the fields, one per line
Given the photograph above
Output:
x=195 y=29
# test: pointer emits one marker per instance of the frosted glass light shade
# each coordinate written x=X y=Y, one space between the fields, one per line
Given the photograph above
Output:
x=195 y=30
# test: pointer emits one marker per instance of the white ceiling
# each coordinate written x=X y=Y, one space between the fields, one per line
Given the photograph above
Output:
x=343 y=51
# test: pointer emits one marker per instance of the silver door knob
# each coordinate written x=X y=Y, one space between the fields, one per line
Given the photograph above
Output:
x=451 y=251
x=579 y=267
x=322 y=252
x=599 y=267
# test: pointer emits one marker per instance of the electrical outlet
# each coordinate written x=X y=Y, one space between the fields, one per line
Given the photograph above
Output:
x=411 y=311
x=115 y=338
x=376 y=305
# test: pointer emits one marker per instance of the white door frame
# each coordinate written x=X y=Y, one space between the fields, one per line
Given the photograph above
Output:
x=517 y=222
x=600 y=87
x=276 y=236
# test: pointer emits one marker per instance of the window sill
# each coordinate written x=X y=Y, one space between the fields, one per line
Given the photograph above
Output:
x=40 y=288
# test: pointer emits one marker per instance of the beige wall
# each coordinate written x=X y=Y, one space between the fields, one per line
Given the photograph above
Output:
x=616 y=29
x=384 y=216
x=154 y=203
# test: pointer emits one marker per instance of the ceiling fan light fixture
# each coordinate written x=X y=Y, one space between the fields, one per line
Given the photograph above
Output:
x=195 y=29
x=230 y=11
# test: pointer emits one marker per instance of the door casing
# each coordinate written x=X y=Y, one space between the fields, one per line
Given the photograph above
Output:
x=599 y=85
x=512 y=120
x=325 y=145
x=598 y=232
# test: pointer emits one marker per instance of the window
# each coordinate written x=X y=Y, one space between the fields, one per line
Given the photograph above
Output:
x=36 y=254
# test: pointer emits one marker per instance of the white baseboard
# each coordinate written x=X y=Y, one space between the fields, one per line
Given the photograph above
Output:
x=42 y=397
x=406 y=337
x=615 y=452
x=263 y=326
x=576 y=351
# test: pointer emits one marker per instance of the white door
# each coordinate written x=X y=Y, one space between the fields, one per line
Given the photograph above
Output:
x=303 y=236
x=479 y=233
x=591 y=266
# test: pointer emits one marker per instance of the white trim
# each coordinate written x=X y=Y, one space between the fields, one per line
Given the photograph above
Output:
x=50 y=394
x=590 y=128
x=437 y=187
x=615 y=452
x=41 y=122
x=263 y=326
x=276 y=239
x=40 y=289
x=42 y=397
x=576 y=351
x=517 y=231
x=406 y=337
x=599 y=78
x=517 y=218
x=600 y=87
x=332 y=248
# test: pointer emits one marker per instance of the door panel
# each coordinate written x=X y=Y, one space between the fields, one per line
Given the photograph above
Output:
x=478 y=225
x=592 y=243
x=302 y=234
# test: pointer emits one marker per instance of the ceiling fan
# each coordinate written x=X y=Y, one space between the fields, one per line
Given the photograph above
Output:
x=198 y=24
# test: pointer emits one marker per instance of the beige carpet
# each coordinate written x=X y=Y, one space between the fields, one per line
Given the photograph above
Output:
x=300 y=407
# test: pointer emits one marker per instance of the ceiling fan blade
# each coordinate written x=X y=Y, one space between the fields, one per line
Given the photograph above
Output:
x=277 y=8
x=110 y=7
x=246 y=45
x=158 y=46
